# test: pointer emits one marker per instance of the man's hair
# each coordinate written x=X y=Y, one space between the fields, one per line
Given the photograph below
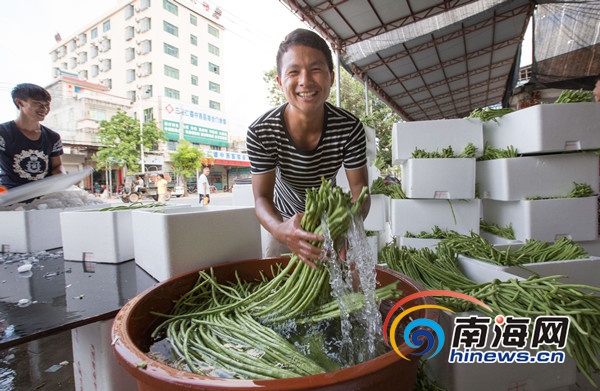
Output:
x=303 y=37
x=26 y=91
x=162 y=176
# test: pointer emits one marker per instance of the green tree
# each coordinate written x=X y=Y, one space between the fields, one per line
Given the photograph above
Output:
x=187 y=161
x=380 y=116
x=120 y=140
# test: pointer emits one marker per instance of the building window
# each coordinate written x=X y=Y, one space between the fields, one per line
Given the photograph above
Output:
x=73 y=62
x=128 y=12
x=82 y=57
x=195 y=99
x=172 y=8
x=214 y=87
x=194 y=59
x=83 y=75
x=107 y=82
x=213 y=68
x=171 y=29
x=171 y=50
x=145 y=47
x=129 y=75
x=81 y=39
x=214 y=105
x=145 y=25
x=64 y=65
x=194 y=80
x=129 y=54
x=171 y=93
x=106 y=26
x=146 y=91
x=212 y=30
x=194 y=19
x=72 y=45
x=129 y=33
x=93 y=51
x=212 y=49
x=172 y=72
x=94 y=33
x=106 y=65
x=131 y=95
x=144 y=4
x=193 y=40
x=105 y=45
x=145 y=69
x=95 y=70
x=149 y=115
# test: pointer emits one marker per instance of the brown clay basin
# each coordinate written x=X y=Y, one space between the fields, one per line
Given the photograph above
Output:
x=134 y=324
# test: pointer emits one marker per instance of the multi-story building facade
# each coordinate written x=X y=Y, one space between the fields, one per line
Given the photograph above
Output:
x=166 y=57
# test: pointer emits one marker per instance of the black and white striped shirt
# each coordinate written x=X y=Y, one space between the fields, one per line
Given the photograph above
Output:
x=270 y=147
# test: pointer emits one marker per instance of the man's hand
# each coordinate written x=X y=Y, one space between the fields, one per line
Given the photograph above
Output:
x=290 y=233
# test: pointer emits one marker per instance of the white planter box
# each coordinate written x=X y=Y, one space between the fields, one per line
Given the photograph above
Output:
x=106 y=235
x=418 y=243
x=183 y=240
x=33 y=230
x=482 y=272
x=547 y=128
x=434 y=136
x=497 y=376
x=451 y=178
x=546 y=220
x=378 y=213
x=242 y=195
x=415 y=216
x=498 y=240
x=514 y=179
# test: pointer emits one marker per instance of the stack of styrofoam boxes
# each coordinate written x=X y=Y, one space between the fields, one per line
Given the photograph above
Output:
x=440 y=192
x=541 y=134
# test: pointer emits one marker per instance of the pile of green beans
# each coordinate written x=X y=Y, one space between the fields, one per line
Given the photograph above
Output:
x=489 y=114
x=574 y=96
x=393 y=191
x=495 y=229
x=580 y=190
x=491 y=153
x=132 y=206
x=231 y=326
x=469 y=152
x=535 y=296
x=436 y=233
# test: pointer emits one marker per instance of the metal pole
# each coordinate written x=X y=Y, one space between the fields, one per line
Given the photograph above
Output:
x=366 y=97
x=338 y=98
x=141 y=118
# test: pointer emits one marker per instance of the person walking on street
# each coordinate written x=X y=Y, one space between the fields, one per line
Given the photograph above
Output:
x=293 y=146
x=161 y=188
x=204 y=187
x=29 y=151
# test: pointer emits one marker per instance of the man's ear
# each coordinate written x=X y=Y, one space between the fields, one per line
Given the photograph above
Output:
x=19 y=103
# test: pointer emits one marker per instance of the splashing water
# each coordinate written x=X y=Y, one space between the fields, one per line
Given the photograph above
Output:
x=353 y=270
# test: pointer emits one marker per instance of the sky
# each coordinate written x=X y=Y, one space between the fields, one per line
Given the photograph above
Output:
x=254 y=29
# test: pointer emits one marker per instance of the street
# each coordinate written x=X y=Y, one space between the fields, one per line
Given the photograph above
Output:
x=218 y=199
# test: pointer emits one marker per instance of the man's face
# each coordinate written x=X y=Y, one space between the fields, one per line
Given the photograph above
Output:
x=597 y=91
x=305 y=78
x=34 y=109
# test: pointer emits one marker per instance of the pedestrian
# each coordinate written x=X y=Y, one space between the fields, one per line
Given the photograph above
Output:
x=97 y=189
x=291 y=147
x=29 y=151
x=139 y=183
x=204 y=187
x=161 y=188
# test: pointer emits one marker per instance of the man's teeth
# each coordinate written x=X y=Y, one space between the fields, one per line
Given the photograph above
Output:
x=307 y=94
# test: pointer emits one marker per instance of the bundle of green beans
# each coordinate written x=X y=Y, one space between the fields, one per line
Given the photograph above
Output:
x=134 y=205
x=489 y=114
x=469 y=152
x=230 y=326
x=580 y=190
x=490 y=153
x=532 y=251
x=495 y=229
x=535 y=296
x=574 y=96
x=393 y=191
x=436 y=233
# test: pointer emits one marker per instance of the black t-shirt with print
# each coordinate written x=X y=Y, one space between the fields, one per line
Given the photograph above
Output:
x=23 y=160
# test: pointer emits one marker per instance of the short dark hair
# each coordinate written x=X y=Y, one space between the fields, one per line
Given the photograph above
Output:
x=304 y=37
x=25 y=91
x=162 y=176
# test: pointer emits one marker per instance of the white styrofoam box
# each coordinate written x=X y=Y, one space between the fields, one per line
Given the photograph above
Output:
x=514 y=179
x=547 y=128
x=436 y=135
x=418 y=243
x=183 y=240
x=496 y=376
x=451 y=178
x=33 y=230
x=415 y=216
x=592 y=247
x=106 y=236
x=482 y=271
x=341 y=179
x=378 y=213
x=546 y=220
x=242 y=195
x=498 y=240
x=95 y=366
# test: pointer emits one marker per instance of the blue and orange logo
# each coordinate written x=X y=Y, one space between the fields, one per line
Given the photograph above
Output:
x=421 y=330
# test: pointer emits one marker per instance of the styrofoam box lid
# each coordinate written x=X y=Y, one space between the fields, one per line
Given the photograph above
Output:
x=436 y=135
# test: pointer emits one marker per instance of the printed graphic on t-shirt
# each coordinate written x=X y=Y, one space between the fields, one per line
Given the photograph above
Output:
x=31 y=164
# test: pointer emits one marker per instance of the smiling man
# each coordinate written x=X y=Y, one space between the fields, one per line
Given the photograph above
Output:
x=294 y=145
x=29 y=151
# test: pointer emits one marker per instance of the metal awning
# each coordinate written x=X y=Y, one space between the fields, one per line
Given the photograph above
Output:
x=426 y=59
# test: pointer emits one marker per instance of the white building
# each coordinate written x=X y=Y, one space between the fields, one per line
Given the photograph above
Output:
x=166 y=56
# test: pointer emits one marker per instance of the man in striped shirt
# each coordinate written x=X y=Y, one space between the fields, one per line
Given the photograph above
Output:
x=293 y=146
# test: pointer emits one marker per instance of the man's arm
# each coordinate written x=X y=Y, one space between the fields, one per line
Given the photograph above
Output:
x=287 y=232
x=56 y=166
x=357 y=179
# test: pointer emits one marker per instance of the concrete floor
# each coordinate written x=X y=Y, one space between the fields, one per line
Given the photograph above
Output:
x=45 y=364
